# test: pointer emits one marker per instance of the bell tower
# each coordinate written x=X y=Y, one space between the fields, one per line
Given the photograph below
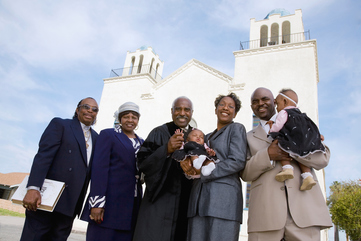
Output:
x=135 y=82
x=278 y=27
x=143 y=60
x=279 y=54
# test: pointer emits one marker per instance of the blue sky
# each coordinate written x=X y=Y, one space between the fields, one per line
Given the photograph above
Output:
x=54 y=53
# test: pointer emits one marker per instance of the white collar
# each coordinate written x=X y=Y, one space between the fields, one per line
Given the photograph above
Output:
x=84 y=127
x=273 y=118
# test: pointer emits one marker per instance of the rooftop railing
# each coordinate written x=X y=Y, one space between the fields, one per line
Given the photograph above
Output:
x=275 y=40
x=141 y=69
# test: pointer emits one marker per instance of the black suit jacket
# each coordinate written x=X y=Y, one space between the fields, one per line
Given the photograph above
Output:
x=62 y=157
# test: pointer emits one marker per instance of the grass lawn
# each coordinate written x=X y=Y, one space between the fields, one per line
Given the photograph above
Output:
x=5 y=212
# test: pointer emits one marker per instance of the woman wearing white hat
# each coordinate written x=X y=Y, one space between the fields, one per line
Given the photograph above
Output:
x=116 y=191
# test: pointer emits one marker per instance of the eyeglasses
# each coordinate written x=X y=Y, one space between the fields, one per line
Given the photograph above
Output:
x=87 y=107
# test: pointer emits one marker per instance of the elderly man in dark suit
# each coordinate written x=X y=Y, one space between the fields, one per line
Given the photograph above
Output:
x=65 y=154
x=279 y=210
x=163 y=211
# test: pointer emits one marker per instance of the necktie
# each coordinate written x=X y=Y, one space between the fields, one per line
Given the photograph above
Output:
x=270 y=123
x=87 y=136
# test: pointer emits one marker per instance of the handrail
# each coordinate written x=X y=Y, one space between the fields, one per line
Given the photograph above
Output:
x=142 y=69
x=275 y=40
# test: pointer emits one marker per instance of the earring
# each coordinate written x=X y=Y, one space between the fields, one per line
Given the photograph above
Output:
x=136 y=128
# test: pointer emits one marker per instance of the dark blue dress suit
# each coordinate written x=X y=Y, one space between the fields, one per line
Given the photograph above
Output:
x=61 y=156
x=113 y=177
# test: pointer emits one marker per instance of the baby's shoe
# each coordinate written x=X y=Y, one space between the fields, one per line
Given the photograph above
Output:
x=197 y=163
x=285 y=174
x=207 y=170
x=307 y=183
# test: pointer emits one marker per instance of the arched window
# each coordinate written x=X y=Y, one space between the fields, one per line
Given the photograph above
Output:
x=274 y=34
x=131 y=66
x=264 y=35
x=156 y=71
x=151 y=66
x=140 y=64
x=286 y=32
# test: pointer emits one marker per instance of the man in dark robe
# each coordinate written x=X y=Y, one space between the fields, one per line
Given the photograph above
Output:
x=163 y=212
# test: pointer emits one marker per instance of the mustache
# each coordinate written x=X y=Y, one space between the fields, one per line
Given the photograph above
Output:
x=182 y=116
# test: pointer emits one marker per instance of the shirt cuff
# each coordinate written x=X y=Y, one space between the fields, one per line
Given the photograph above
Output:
x=33 y=188
x=97 y=202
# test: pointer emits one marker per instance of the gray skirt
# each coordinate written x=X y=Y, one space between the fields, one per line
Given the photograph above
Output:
x=212 y=229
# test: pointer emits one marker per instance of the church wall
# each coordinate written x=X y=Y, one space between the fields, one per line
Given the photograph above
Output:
x=274 y=68
x=199 y=86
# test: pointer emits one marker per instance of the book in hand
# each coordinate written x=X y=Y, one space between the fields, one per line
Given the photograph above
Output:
x=50 y=193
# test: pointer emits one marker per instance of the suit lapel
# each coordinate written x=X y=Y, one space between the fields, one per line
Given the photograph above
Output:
x=259 y=133
x=216 y=133
x=124 y=140
x=127 y=149
x=79 y=136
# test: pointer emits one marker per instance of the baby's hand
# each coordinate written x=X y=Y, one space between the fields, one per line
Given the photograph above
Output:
x=211 y=152
x=178 y=131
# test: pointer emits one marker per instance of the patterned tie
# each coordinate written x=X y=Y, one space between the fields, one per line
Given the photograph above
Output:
x=270 y=123
x=87 y=135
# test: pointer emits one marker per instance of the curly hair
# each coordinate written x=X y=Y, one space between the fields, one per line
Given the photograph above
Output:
x=231 y=95
x=121 y=114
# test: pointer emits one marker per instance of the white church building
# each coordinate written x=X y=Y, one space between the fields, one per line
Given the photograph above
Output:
x=279 y=54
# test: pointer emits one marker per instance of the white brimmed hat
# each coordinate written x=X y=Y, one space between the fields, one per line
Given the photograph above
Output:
x=127 y=106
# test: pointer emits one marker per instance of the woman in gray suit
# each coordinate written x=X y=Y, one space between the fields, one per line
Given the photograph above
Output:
x=216 y=203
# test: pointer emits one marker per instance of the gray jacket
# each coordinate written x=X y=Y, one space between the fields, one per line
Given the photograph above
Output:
x=220 y=194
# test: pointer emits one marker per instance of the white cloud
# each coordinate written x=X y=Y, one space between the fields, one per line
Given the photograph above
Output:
x=21 y=158
x=63 y=33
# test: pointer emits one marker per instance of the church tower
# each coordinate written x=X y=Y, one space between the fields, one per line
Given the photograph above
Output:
x=143 y=60
x=142 y=70
x=279 y=54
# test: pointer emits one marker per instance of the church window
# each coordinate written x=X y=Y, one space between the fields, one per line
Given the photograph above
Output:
x=274 y=34
x=156 y=71
x=140 y=64
x=131 y=66
x=286 y=32
x=255 y=123
x=151 y=66
x=264 y=35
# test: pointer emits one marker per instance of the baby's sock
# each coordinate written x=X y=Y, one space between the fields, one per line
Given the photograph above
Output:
x=306 y=174
x=197 y=163
x=287 y=167
x=206 y=170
